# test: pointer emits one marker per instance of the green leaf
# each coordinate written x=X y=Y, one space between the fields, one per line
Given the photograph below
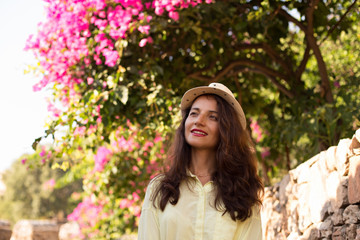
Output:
x=122 y=93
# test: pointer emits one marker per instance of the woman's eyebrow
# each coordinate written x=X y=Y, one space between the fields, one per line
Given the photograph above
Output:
x=212 y=111
x=198 y=109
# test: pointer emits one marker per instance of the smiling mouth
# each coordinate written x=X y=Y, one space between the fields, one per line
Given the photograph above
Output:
x=198 y=132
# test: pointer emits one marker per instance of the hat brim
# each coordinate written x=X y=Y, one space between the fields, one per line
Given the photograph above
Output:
x=193 y=93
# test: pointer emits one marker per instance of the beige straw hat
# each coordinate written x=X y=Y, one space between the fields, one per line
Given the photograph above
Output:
x=218 y=89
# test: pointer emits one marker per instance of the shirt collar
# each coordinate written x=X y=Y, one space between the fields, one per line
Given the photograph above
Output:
x=190 y=174
x=209 y=186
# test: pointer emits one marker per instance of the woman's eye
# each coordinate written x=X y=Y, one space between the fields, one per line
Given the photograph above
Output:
x=192 y=113
x=213 y=117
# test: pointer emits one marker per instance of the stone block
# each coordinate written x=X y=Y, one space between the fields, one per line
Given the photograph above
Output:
x=342 y=193
x=317 y=194
x=351 y=231
x=268 y=192
x=325 y=228
x=35 y=230
x=292 y=221
x=69 y=231
x=354 y=180
x=342 y=163
x=312 y=233
x=357 y=233
x=337 y=217
x=351 y=214
x=355 y=143
x=304 y=209
x=5 y=230
x=357 y=135
x=283 y=197
x=331 y=158
x=326 y=210
x=339 y=233
x=273 y=226
x=301 y=174
x=322 y=163
x=332 y=184
x=293 y=236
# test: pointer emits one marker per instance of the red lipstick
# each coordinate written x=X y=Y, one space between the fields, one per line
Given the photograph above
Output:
x=198 y=132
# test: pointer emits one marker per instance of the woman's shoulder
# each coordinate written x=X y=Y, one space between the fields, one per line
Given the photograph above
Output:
x=256 y=211
x=150 y=191
x=155 y=182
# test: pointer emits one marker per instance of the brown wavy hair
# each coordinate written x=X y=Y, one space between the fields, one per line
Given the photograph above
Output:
x=237 y=183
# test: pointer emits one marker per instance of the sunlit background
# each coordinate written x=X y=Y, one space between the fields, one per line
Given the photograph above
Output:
x=23 y=112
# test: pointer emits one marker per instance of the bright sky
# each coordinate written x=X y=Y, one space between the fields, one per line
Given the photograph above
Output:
x=23 y=112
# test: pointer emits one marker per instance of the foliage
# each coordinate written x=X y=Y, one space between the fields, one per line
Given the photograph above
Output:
x=114 y=188
x=117 y=70
x=32 y=193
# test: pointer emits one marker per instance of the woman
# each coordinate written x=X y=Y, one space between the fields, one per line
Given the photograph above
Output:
x=211 y=189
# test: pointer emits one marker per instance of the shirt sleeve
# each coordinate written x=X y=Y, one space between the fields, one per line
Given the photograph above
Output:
x=149 y=228
x=252 y=228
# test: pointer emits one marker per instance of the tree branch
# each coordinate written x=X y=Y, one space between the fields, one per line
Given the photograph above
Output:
x=299 y=71
x=256 y=67
x=271 y=52
x=309 y=34
x=238 y=87
x=292 y=19
x=337 y=24
x=242 y=62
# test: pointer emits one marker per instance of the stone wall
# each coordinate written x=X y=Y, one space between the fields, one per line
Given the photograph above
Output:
x=5 y=230
x=319 y=199
x=35 y=230
x=45 y=230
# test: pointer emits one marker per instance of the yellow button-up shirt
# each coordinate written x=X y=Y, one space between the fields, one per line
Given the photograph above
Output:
x=194 y=217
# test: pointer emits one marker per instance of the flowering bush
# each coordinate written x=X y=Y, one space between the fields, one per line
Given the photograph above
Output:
x=82 y=49
x=116 y=70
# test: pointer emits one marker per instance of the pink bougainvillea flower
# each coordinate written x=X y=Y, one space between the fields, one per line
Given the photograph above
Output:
x=144 y=41
x=54 y=110
x=111 y=57
x=86 y=213
x=101 y=158
x=43 y=152
x=62 y=41
x=174 y=15
x=147 y=145
x=23 y=161
x=256 y=130
x=49 y=185
x=159 y=10
x=90 y=80
x=135 y=196
x=80 y=131
x=157 y=139
x=135 y=168
x=144 y=29
x=91 y=130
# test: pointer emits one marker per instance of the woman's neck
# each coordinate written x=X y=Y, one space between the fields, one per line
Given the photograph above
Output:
x=202 y=162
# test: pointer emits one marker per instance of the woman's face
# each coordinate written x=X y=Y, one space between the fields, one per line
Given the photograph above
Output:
x=202 y=124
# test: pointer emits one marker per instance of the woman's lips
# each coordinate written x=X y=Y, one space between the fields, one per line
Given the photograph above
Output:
x=198 y=132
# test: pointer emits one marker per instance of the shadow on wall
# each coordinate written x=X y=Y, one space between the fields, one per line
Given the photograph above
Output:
x=319 y=199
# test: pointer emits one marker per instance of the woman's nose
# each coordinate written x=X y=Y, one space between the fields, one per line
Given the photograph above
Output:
x=200 y=120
